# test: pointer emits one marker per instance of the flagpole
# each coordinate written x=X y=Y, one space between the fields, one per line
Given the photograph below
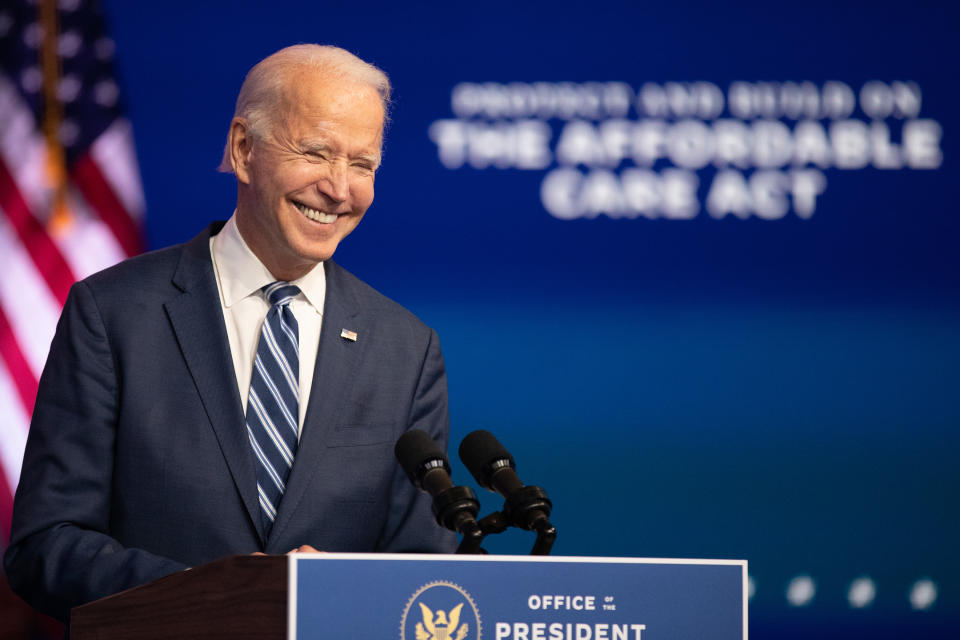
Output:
x=53 y=116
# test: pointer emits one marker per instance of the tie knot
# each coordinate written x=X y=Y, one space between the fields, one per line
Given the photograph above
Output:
x=280 y=293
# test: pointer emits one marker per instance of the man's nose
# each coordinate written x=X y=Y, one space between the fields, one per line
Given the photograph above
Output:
x=335 y=184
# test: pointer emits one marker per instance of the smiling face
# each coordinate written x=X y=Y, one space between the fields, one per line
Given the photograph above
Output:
x=305 y=183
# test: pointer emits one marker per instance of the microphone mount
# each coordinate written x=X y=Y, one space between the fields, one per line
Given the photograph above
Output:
x=525 y=507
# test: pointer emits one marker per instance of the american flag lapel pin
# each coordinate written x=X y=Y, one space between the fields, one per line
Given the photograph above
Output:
x=346 y=334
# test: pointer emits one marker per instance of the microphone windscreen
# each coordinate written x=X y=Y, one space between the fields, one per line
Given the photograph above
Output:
x=478 y=451
x=415 y=448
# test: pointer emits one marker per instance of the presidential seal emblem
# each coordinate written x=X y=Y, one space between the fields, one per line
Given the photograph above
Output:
x=440 y=611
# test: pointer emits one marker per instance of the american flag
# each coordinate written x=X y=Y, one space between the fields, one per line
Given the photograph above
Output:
x=71 y=201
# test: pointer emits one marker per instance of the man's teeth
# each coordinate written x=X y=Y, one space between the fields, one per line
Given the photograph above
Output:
x=316 y=216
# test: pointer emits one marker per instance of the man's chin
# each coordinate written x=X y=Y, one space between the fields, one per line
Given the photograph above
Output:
x=316 y=254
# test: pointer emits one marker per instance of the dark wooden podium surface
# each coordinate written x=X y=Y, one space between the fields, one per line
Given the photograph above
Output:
x=236 y=597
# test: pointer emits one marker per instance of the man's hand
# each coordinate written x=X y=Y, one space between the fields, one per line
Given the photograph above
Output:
x=304 y=548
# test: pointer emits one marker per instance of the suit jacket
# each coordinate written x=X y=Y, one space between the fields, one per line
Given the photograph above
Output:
x=138 y=462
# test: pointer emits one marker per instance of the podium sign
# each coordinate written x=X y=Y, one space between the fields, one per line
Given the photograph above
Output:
x=429 y=597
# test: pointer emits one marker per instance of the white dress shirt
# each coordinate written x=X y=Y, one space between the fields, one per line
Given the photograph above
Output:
x=240 y=276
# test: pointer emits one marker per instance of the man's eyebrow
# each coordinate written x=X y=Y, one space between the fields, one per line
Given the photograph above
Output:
x=313 y=145
x=308 y=146
x=372 y=158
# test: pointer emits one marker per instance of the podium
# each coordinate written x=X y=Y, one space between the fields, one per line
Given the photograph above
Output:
x=430 y=597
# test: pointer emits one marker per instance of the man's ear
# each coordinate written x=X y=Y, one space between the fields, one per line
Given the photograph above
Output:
x=241 y=147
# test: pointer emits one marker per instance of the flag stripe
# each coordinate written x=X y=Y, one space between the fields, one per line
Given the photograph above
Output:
x=96 y=191
x=88 y=245
x=31 y=308
x=115 y=154
x=13 y=436
x=23 y=148
x=23 y=378
x=13 y=428
x=6 y=509
x=33 y=235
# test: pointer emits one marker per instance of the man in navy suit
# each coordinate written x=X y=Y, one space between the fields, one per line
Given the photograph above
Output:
x=140 y=462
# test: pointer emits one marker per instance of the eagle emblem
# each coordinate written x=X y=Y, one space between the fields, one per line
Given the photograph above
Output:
x=441 y=625
x=441 y=610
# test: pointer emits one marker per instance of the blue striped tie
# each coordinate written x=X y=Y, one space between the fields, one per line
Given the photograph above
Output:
x=272 y=407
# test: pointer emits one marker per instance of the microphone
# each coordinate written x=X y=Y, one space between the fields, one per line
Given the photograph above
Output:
x=526 y=507
x=428 y=468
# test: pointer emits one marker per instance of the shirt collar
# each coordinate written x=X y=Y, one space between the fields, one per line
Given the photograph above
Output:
x=242 y=274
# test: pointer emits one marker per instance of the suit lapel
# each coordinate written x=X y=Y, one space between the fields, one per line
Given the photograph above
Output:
x=197 y=321
x=333 y=372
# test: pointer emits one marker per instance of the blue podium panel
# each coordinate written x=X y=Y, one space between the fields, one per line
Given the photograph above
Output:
x=430 y=597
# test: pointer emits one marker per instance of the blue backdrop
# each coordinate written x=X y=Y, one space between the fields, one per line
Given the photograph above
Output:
x=694 y=264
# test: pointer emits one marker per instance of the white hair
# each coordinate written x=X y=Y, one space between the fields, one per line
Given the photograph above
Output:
x=266 y=83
